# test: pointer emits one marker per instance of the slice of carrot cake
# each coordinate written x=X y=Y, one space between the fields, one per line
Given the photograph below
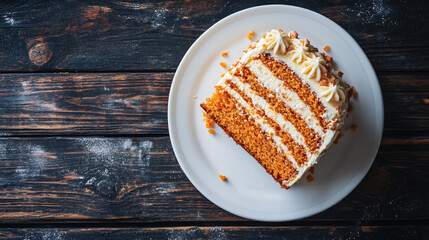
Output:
x=283 y=103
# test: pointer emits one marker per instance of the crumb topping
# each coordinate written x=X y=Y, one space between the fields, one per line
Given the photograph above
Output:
x=222 y=177
x=326 y=48
x=250 y=35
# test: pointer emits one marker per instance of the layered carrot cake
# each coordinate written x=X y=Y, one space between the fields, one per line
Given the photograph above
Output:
x=283 y=103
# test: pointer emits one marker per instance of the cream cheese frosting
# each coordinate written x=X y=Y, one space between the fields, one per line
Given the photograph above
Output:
x=332 y=93
x=314 y=67
x=277 y=40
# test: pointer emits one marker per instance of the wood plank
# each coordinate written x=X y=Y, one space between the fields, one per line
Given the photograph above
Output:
x=136 y=103
x=222 y=233
x=75 y=103
x=76 y=35
x=60 y=179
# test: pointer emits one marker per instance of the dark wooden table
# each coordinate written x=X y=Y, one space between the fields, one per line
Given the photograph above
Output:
x=84 y=146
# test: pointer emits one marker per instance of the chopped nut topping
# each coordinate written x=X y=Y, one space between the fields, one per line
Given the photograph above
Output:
x=324 y=82
x=293 y=34
x=328 y=58
x=310 y=178
x=306 y=42
x=340 y=74
x=351 y=92
x=328 y=66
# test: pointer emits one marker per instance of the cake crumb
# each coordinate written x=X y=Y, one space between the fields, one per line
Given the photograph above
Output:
x=310 y=178
x=209 y=122
x=194 y=96
x=222 y=177
x=250 y=35
x=211 y=131
x=328 y=58
x=354 y=92
x=312 y=170
x=353 y=127
x=223 y=74
x=326 y=48
x=222 y=64
x=338 y=138
x=224 y=54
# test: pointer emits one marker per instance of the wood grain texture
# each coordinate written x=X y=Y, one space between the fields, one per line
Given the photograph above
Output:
x=124 y=35
x=221 y=233
x=98 y=73
x=136 y=103
x=64 y=103
x=58 y=179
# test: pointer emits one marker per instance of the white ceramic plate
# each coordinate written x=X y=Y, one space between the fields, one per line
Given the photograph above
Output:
x=250 y=192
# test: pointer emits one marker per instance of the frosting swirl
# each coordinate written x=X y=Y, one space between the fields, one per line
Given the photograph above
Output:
x=299 y=52
x=314 y=67
x=332 y=92
x=277 y=40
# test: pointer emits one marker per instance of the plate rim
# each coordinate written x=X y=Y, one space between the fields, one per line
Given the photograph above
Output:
x=375 y=87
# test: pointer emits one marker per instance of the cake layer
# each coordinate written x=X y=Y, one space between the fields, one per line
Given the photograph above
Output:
x=234 y=120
